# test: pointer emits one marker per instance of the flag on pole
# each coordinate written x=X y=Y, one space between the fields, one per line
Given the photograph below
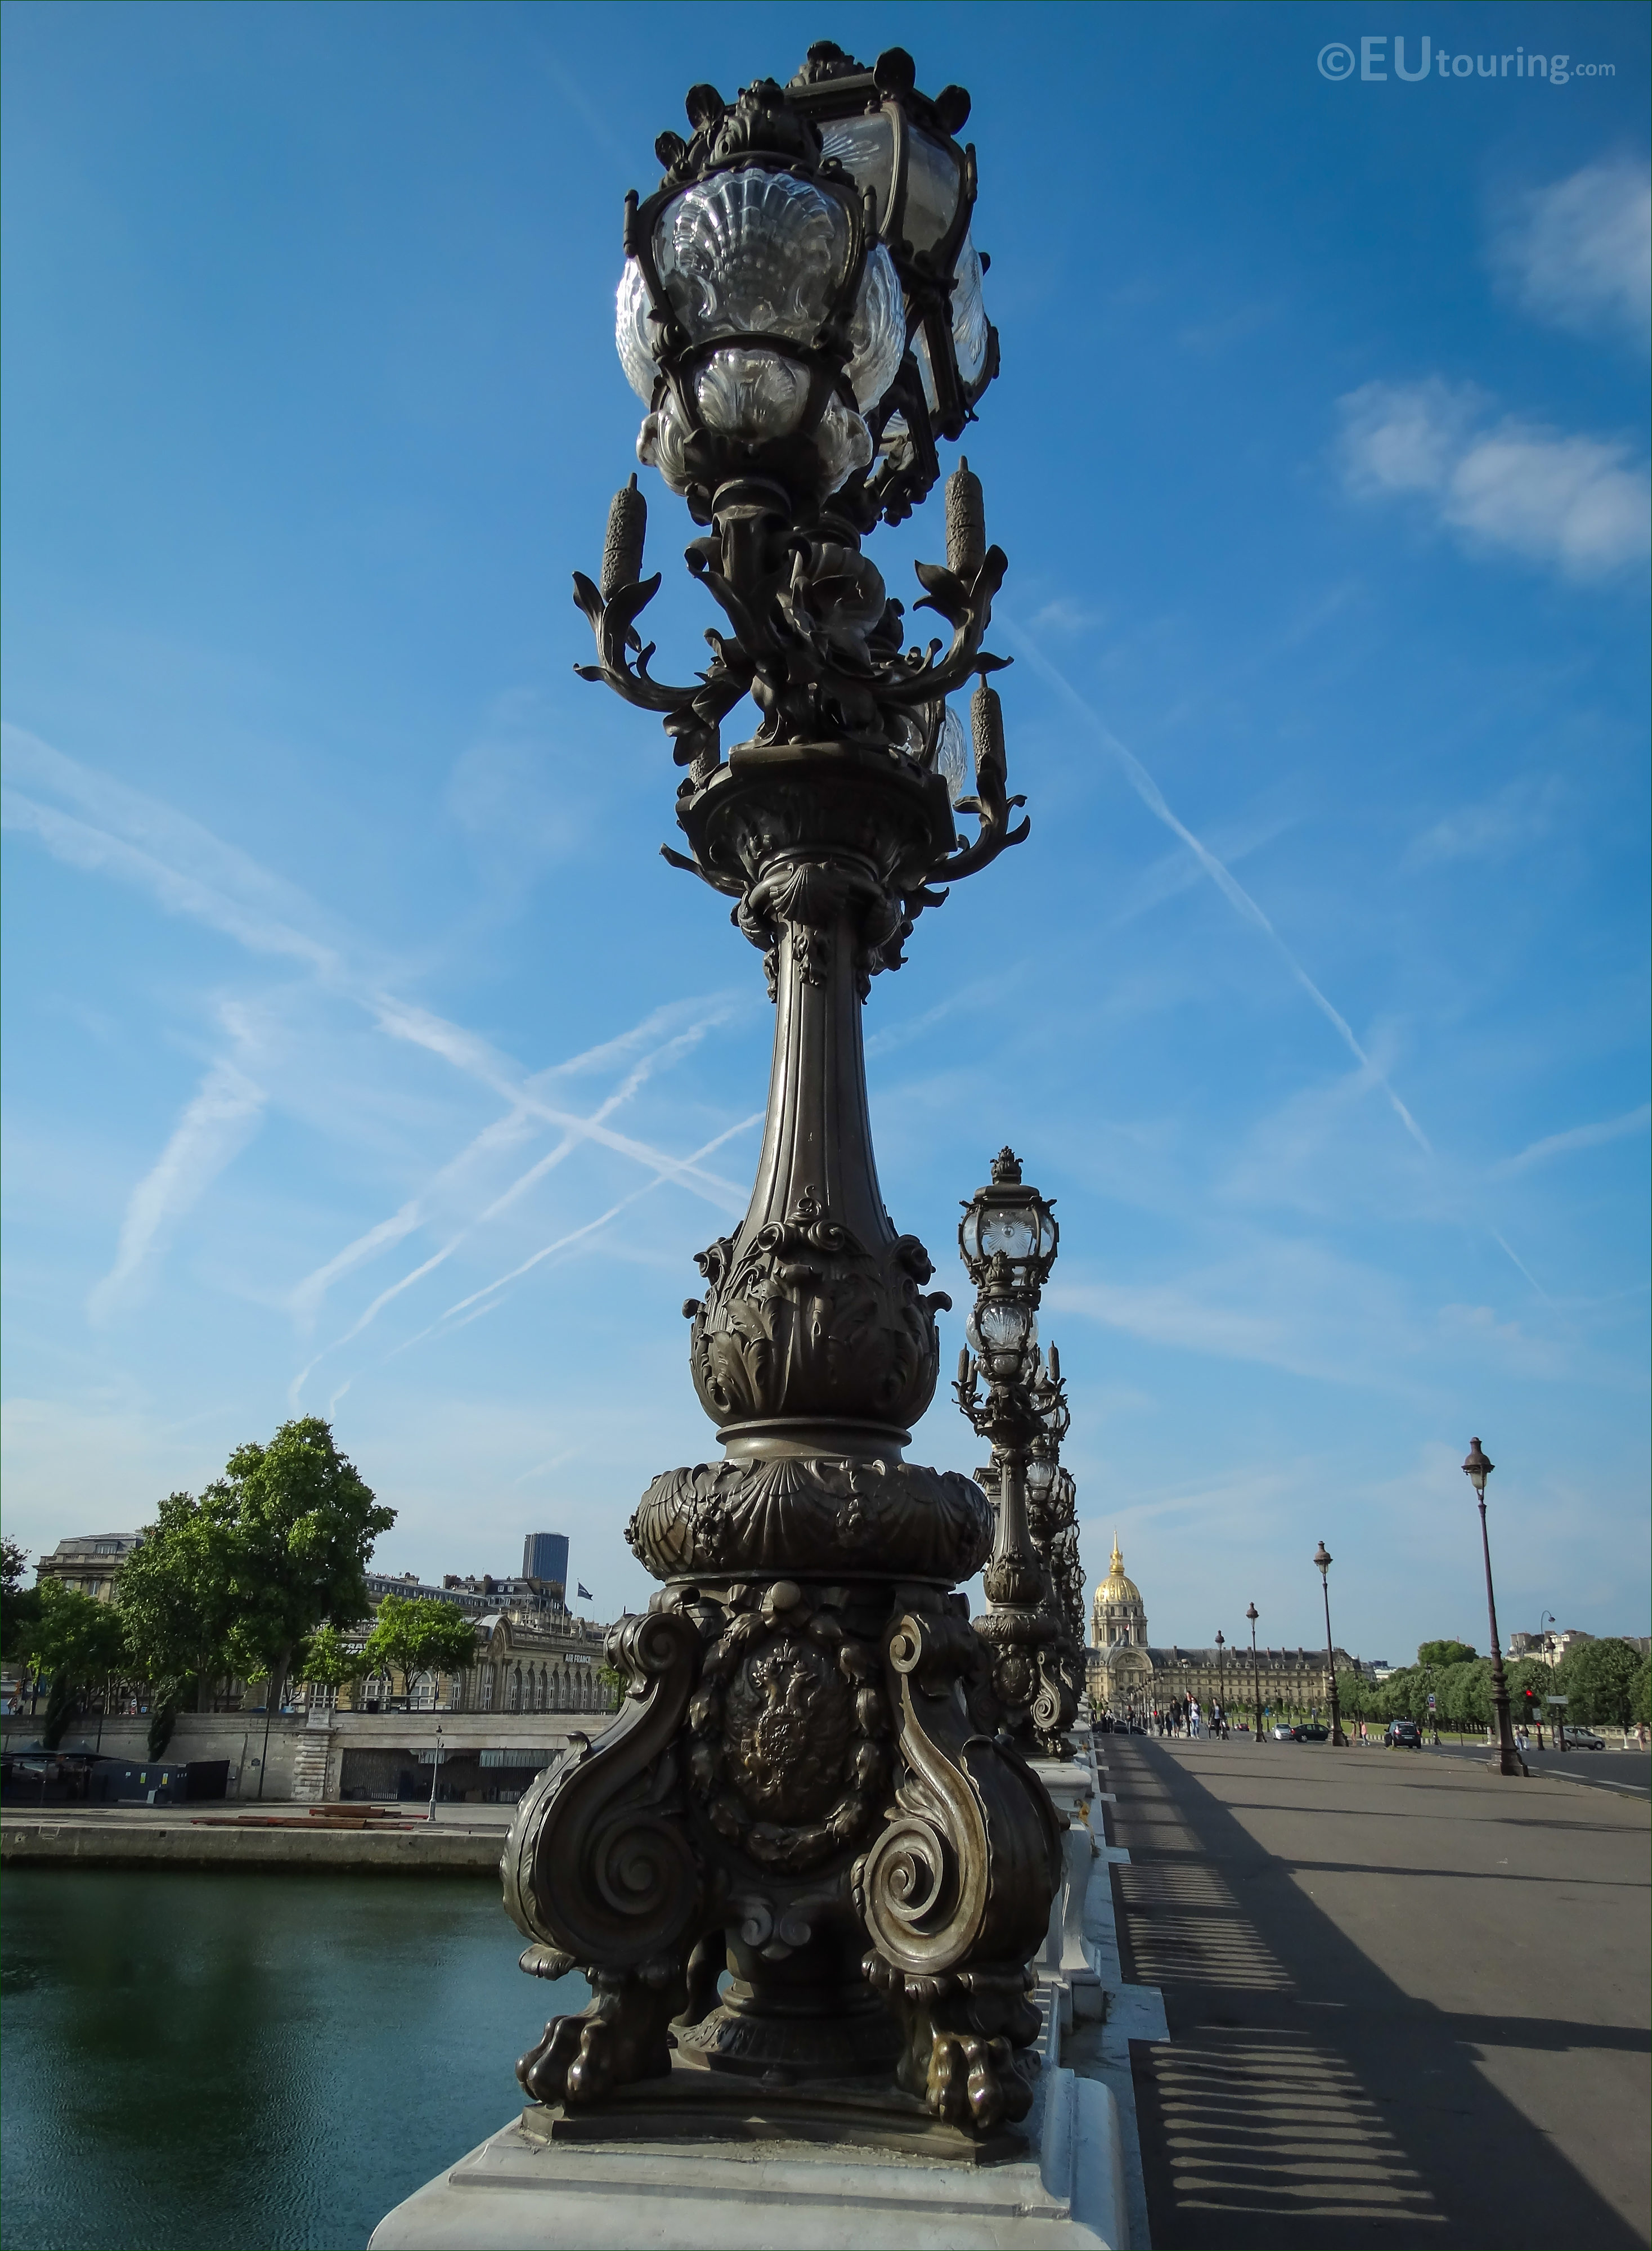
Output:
x=585 y=1591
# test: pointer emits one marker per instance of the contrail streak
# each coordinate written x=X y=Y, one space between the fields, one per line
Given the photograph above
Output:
x=1228 y=883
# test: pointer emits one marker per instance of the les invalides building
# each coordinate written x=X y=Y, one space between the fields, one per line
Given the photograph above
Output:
x=1129 y=1678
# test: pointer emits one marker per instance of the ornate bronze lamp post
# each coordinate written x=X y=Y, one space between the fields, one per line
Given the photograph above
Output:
x=1220 y=1646
x=1477 y=1469
x=1053 y=1504
x=1252 y=1613
x=803 y=1784
x=1007 y=1238
x=1323 y=1560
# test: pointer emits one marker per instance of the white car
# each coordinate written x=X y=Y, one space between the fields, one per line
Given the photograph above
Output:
x=1283 y=1732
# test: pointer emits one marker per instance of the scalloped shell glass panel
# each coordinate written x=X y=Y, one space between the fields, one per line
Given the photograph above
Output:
x=753 y=253
x=970 y=328
x=877 y=328
x=864 y=148
x=633 y=340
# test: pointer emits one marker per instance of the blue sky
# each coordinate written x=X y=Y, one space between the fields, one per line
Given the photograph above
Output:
x=363 y=1057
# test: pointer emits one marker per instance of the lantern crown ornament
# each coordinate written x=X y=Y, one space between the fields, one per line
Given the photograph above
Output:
x=800 y=313
x=802 y=295
x=1009 y=1231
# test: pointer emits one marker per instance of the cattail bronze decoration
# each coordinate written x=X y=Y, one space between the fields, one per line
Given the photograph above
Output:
x=965 y=521
x=622 y=550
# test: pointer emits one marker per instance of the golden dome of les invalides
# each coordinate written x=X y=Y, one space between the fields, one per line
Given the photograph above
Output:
x=1116 y=1591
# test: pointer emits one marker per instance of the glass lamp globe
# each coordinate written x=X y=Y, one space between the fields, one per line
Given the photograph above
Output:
x=1002 y=1327
x=752 y=265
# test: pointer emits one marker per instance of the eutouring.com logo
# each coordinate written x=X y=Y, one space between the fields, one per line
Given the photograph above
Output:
x=1376 y=65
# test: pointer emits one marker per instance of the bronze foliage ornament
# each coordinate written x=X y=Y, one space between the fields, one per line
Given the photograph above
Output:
x=808 y=1852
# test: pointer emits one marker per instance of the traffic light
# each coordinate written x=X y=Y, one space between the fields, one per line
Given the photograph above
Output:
x=1529 y=1703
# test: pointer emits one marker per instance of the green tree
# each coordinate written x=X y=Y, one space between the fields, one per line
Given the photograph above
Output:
x=19 y=1605
x=416 y=1636
x=1641 y=1693
x=1404 y=1695
x=326 y=1659
x=302 y=1524
x=1464 y=1691
x=233 y=1582
x=1598 y=1680
x=75 y=1640
x=1445 y=1653
x=179 y=1601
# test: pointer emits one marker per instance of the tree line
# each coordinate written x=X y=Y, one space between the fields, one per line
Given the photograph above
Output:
x=258 y=1578
x=1606 y=1684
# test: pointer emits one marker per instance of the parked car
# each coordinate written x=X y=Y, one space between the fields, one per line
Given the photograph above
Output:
x=1583 y=1739
x=1403 y=1735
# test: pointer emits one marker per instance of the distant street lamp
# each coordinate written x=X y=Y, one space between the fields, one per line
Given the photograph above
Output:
x=1323 y=1559
x=1007 y=1239
x=1477 y=1469
x=1256 y=1671
x=1220 y=1646
x=1546 y=1621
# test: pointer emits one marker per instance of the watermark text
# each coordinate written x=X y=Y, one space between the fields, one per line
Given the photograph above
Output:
x=1383 y=58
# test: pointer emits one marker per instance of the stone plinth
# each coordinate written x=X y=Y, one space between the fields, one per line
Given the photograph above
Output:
x=1059 y=2183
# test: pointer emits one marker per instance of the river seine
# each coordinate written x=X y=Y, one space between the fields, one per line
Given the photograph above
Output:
x=246 y=2063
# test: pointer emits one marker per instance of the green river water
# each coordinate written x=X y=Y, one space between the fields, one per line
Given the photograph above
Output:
x=231 y=2061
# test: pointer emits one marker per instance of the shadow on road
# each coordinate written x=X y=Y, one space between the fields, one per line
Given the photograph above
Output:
x=1306 y=2102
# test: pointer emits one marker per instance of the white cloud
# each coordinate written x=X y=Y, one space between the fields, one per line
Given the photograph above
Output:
x=1520 y=814
x=214 y=1126
x=1579 y=253
x=1064 y=616
x=1580 y=504
x=1577 y=1136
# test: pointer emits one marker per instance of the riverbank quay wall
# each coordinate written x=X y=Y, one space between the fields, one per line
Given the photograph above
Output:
x=131 y=1839
x=330 y=1755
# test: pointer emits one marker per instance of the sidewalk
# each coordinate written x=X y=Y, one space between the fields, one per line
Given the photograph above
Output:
x=1407 y=2000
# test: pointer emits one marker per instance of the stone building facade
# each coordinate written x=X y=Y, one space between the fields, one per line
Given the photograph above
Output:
x=525 y=1661
x=532 y=1653
x=91 y=1563
x=1130 y=1678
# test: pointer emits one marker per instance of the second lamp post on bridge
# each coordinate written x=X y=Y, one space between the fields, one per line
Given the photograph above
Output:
x=1007 y=1238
